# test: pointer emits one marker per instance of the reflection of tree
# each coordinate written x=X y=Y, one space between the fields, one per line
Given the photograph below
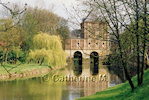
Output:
x=77 y=69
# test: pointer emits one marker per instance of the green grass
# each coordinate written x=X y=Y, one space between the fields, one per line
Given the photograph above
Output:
x=123 y=91
x=21 y=68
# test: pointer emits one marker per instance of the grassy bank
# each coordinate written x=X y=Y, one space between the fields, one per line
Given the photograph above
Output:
x=22 y=71
x=21 y=68
x=123 y=91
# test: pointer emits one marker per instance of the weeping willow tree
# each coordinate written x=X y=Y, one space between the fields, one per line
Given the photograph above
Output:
x=47 y=49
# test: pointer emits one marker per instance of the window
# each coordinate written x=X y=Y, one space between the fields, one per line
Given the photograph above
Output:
x=78 y=44
x=89 y=45
x=96 y=44
x=103 y=45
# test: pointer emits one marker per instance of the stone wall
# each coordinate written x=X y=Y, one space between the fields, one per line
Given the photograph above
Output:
x=86 y=53
x=86 y=44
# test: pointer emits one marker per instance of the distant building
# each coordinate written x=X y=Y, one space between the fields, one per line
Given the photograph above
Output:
x=92 y=38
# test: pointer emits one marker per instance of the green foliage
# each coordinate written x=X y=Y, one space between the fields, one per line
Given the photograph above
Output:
x=11 y=37
x=41 y=54
x=29 y=25
x=63 y=30
x=16 y=50
x=40 y=20
x=49 y=49
x=23 y=57
x=14 y=54
x=129 y=47
x=17 y=37
x=128 y=36
x=36 y=20
x=5 y=24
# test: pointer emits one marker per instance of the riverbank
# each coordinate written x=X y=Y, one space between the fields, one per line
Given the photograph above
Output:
x=123 y=91
x=23 y=71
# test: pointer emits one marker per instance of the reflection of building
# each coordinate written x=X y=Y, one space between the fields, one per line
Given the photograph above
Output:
x=93 y=37
x=89 y=87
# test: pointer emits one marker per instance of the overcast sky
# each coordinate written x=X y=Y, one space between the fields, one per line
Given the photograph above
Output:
x=48 y=4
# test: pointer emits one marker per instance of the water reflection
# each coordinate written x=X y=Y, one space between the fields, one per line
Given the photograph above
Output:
x=31 y=89
x=37 y=89
x=77 y=69
x=94 y=63
x=94 y=69
x=89 y=86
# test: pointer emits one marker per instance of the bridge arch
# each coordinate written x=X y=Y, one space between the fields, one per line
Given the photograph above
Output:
x=94 y=62
x=78 y=57
x=77 y=63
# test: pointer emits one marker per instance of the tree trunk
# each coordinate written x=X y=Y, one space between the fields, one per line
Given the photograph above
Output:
x=125 y=68
x=127 y=75
x=138 y=61
x=3 y=56
x=16 y=60
x=6 y=57
x=129 y=79
x=137 y=37
x=144 y=42
x=42 y=61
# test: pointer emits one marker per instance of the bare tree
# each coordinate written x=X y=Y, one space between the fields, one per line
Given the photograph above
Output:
x=122 y=16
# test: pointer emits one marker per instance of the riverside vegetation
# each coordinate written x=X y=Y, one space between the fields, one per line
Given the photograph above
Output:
x=29 y=44
x=47 y=50
x=123 y=91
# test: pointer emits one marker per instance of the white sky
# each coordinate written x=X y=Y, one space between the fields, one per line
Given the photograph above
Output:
x=58 y=5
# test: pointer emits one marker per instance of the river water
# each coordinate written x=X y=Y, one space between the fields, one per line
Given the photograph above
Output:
x=64 y=84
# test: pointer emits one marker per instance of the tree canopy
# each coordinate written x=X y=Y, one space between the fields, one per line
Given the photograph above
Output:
x=47 y=48
x=36 y=20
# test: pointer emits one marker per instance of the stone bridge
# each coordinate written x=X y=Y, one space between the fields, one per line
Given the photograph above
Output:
x=93 y=39
x=86 y=47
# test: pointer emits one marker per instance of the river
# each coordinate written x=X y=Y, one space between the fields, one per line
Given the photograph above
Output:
x=60 y=84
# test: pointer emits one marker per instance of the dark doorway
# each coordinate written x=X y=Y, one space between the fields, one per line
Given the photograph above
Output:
x=77 y=63
x=94 y=63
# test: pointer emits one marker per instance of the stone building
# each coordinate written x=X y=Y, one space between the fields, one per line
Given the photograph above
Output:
x=93 y=38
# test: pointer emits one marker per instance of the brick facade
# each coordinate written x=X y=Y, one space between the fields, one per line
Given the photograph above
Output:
x=96 y=38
